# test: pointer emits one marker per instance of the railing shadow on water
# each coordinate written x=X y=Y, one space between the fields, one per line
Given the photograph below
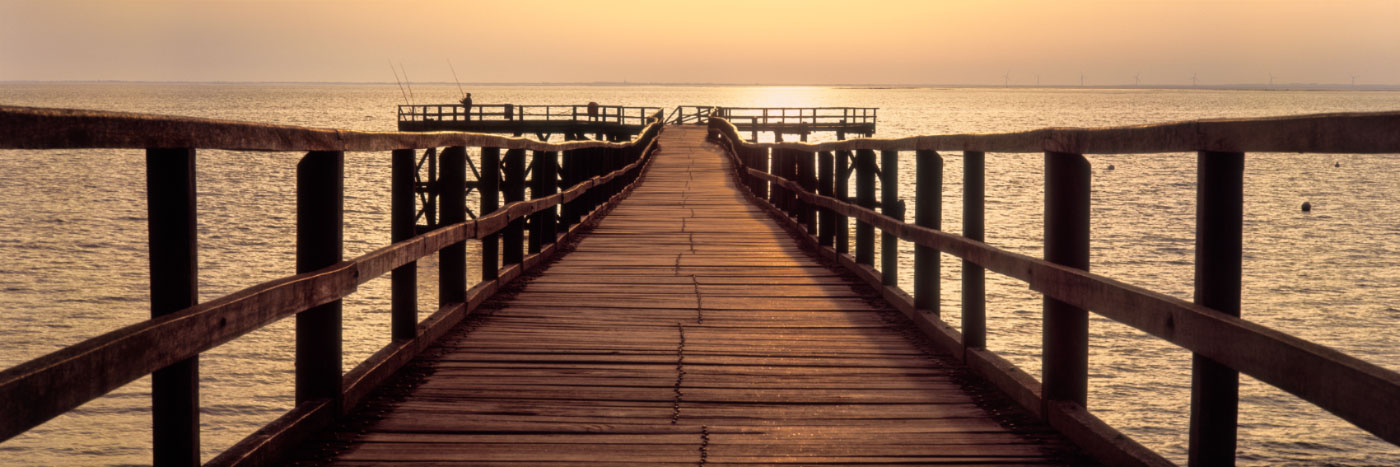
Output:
x=570 y=183
x=806 y=187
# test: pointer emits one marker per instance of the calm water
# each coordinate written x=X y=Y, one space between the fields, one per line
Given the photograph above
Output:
x=72 y=230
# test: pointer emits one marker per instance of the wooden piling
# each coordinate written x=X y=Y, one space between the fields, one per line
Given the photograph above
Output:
x=490 y=188
x=842 y=186
x=1065 y=335
x=1219 y=248
x=513 y=237
x=403 y=288
x=452 y=260
x=928 y=193
x=320 y=233
x=974 y=282
x=865 y=197
x=890 y=206
x=173 y=237
x=826 y=178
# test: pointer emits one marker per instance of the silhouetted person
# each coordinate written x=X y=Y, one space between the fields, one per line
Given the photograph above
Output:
x=467 y=104
x=592 y=111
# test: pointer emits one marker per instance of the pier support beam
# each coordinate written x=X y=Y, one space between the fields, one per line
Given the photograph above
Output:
x=974 y=278
x=1219 y=249
x=928 y=193
x=1065 y=337
x=170 y=204
x=320 y=229
x=865 y=197
x=891 y=207
x=452 y=260
x=513 y=189
x=490 y=188
x=403 y=302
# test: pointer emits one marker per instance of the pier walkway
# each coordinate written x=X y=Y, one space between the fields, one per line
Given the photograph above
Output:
x=687 y=327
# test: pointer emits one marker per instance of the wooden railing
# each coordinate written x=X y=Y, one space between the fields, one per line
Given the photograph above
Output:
x=806 y=186
x=617 y=114
x=594 y=175
x=798 y=115
x=692 y=114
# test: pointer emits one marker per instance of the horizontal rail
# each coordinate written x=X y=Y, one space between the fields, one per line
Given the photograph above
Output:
x=1348 y=133
x=44 y=128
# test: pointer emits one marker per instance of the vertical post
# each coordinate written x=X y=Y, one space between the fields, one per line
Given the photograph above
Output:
x=928 y=193
x=544 y=182
x=174 y=248
x=1219 y=240
x=490 y=188
x=891 y=206
x=452 y=260
x=1065 y=338
x=568 y=177
x=974 y=288
x=826 y=177
x=865 y=197
x=807 y=176
x=403 y=302
x=513 y=237
x=843 y=193
x=320 y=228
x=760 y=160
x=430 y=207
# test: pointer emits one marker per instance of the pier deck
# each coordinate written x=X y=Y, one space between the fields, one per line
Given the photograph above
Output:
x=687 y=327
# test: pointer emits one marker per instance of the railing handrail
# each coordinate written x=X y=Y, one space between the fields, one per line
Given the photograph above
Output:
x=46 y=128
x=627 y=114
x=42 y=388
x=1362 y=393
x=1343 y=133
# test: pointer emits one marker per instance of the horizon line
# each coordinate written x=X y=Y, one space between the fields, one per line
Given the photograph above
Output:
x=1227 y=86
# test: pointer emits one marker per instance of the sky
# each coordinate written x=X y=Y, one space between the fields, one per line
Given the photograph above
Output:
x=793 y=42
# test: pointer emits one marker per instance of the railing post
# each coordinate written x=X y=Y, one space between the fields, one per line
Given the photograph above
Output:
x=452 y=260
x=490 y=188
x=568 y=177
x=892 y=207
x=1065 y=335
x=320 y=229
x=974 y=287
x=760 y=163
x=826 y=177
x=807 y=176
x=513 y=237
x=174 y=258
x=1219 y=240
x=430 y=208
x=843 y=193
x=928 y=212
x=403 y=303
x=865 y=197
x=544 y=182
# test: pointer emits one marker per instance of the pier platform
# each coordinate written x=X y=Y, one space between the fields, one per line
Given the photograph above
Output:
x=687 y=327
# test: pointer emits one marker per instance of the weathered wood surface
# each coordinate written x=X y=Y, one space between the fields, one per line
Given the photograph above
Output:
x=688 y=328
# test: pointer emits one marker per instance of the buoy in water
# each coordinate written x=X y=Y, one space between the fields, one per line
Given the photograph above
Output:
x=1110 y=166
x=1307 y=207
x=1336 y=164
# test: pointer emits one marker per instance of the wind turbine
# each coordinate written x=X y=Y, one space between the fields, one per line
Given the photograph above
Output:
x=1037 y=80
x=1353 y=79
x=1006 y=80
x=1081 y=79
x=1271 y=80
x=1193 y=79
x=1137 y=79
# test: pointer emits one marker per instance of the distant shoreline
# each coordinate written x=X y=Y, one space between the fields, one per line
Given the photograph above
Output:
x=1119 y=87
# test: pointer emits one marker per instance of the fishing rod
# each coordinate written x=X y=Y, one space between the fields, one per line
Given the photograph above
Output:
x=464 y=93
x=400 y=83
x=407 y=82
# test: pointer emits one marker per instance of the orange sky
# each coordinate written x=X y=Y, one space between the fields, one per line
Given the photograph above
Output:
x=726 y=41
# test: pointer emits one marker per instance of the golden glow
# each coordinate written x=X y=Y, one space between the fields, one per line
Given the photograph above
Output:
x=731 y=41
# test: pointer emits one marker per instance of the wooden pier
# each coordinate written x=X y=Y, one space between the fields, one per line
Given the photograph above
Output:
x=688 y=297
x=688 y=328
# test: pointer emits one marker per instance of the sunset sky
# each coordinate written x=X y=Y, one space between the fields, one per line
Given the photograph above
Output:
x=706 y=41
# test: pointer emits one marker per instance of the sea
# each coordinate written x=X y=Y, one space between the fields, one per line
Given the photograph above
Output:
x=73 y=243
